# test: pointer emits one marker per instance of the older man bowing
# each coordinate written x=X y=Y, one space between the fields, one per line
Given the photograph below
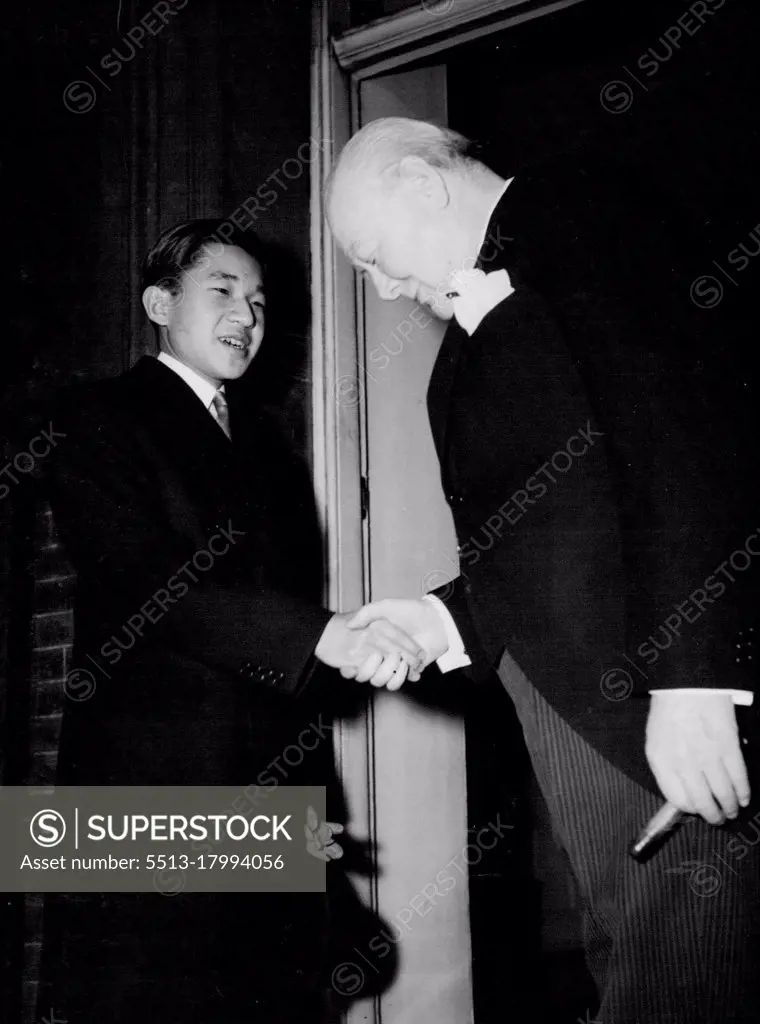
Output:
x=595 y=442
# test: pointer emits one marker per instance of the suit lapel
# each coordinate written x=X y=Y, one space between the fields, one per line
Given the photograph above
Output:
x=442 y=383
x=181 y=432
x=507 y=238
x=176 y=412
x=496 y=252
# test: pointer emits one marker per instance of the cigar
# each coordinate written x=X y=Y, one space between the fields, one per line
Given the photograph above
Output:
x=656 y=832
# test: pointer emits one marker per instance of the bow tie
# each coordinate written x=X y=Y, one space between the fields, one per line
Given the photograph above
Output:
x=475 y=293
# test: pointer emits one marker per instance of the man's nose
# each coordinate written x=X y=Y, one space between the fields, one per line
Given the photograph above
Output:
x=243 y=313
x=389 y=288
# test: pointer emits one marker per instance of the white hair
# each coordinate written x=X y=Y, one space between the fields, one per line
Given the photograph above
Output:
x=384 y=142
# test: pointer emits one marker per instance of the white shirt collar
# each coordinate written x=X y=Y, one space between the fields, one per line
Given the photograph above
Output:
x=202 y=388
x=480 y=292
x=491 y=212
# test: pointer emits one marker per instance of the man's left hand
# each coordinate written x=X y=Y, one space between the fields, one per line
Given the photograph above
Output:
x=693 y=749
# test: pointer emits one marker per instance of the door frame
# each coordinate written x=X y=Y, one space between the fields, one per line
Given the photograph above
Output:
x=430 y=27
x=341 y=60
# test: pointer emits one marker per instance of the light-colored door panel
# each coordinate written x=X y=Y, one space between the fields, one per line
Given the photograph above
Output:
x=419 y=756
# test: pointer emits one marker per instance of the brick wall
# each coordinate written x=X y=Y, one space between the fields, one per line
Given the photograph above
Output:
x=51 y=635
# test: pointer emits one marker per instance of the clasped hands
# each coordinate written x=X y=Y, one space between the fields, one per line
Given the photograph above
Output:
x=385 y=642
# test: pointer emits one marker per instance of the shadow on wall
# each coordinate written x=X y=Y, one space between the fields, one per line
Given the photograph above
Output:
x=279 y=377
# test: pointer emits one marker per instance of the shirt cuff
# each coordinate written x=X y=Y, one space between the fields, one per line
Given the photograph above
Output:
x=745 y=697
x=455 y=656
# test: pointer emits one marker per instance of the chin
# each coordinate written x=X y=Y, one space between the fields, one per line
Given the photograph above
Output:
x=235 y=372
x=433 y=299
x=440 y=310
x=234 y=367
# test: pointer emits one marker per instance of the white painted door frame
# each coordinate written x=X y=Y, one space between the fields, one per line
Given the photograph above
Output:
x=339 y=428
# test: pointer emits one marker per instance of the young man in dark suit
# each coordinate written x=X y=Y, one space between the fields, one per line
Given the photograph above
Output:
x=198 y=632
x=596 y=434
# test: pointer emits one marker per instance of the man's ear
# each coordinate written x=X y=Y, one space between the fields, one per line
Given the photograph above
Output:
x=425 y=180
x=157 y=302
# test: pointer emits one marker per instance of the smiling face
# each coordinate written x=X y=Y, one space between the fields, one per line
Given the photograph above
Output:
x=215 y=322
x=406 y=239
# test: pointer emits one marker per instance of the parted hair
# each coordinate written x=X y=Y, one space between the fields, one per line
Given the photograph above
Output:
x=182 y=246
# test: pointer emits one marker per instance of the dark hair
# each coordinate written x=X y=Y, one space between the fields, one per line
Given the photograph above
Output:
x=180 y=247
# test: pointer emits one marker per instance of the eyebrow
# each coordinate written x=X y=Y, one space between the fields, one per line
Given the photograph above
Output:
x=222 y=275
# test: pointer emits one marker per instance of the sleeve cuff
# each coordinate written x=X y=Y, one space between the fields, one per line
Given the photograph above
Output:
x=745 y=697
x=455 y=656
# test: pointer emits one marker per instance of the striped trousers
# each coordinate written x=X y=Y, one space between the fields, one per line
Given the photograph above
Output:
x=675 y=940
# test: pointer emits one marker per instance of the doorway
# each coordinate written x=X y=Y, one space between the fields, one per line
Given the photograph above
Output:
x=423 y=772
x=458 y=757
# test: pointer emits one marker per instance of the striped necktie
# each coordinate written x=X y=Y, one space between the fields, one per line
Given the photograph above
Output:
x=222 y=412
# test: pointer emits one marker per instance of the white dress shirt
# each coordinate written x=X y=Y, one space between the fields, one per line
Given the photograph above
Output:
x=202 y=388
x=478 y=293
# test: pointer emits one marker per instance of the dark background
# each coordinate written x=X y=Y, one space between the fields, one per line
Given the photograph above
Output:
x=199 y=117
x=196 y=119
x=690 y=123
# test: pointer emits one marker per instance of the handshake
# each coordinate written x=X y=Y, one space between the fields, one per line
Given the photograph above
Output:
x=385 y=642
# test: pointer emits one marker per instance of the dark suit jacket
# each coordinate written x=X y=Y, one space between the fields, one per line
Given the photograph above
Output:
x=600 y=570
x=197 y=613
x=198 y=584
